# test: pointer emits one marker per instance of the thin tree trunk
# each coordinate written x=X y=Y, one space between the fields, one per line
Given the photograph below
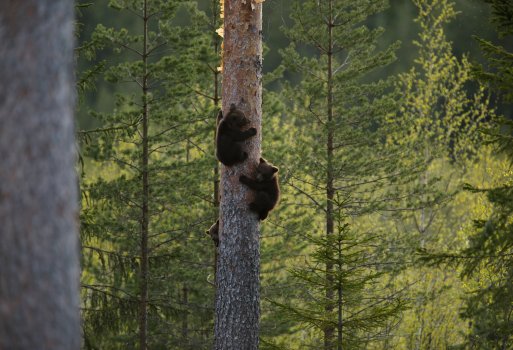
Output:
x=143 y=293
x=185 y=320
x=217 y=99
x=330 y=191
x=237 y=297
x=39 y=257
x=215 y=14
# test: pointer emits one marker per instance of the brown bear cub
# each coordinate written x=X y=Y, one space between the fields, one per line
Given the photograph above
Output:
x=265 y=185
x=230 y=136
x=213 y=232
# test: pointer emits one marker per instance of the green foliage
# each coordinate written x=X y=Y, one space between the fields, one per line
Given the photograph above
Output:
x=161 y=95
x=358 y=109
x=338 y=122
x=489 y=253
x=402 y=147
x=361 y=306
x=441 y=112
x=502 y=16
x=438 y=115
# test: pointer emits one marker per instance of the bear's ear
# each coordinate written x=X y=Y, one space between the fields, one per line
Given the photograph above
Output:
x=274 y=169
x=262 y=160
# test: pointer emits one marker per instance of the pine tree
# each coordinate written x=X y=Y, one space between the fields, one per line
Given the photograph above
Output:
x=146 y=197
x=341 y=164
x=39 y=274
x=238 y=269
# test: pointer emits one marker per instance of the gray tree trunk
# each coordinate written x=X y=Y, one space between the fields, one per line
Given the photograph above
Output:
x=39 y=265
x=238 y=299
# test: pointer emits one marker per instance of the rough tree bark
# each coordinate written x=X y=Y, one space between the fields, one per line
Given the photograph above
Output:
x=39 y=265
x=237 y=299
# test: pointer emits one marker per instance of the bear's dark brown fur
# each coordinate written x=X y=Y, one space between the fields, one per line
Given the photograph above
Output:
x=265 y=185
x=230 y=136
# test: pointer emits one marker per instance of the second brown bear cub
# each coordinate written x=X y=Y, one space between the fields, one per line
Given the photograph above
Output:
x=265 y=185
x=230 y=136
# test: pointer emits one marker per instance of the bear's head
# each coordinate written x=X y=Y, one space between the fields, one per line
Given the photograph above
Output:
x=265 y=171
x=236 y=118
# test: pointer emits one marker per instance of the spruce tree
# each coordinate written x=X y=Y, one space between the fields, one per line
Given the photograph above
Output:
x=341 y=168
x=146 y=189
x=362 y=307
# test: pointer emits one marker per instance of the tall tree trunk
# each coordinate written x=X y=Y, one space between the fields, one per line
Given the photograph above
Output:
x=185 y=319
x=217 y=99
x=237 y=297
x=143 y=293
x=330 y=191
x=39 y=264
x=340 y=323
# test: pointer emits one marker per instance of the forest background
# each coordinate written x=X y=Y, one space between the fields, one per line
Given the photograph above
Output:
x=418 y=253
